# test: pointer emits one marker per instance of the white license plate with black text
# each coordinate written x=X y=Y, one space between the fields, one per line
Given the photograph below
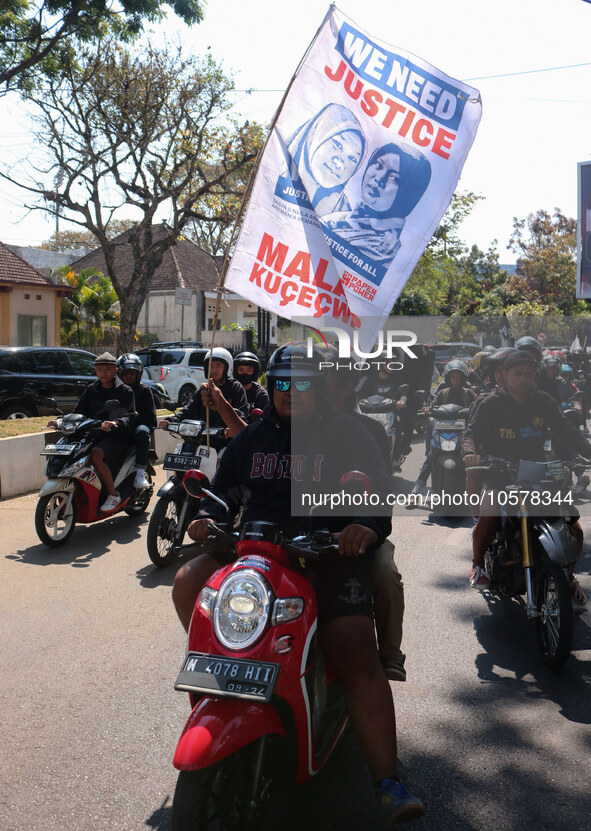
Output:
x=173 y=461
x=233 y=677
x=57 y=449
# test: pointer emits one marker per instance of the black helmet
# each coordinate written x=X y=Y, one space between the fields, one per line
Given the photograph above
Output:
x=527 y=342
x=292 y=361
x=456 y=366
x=248 y=359
x=498 y=357
x=131 y=362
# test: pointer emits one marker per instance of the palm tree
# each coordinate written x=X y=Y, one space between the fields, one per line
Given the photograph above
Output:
x=91 y=311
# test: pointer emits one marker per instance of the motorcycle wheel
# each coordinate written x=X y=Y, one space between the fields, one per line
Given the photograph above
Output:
x=555 y=615
x=161 y=532
x=216 y=797
x=141 y=504
x=52 y=527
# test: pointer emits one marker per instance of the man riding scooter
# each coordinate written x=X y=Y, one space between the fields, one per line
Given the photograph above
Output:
x=110 y=451
x=224 y=396
x=261 y=469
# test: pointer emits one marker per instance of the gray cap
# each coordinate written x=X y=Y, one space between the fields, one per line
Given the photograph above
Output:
x=106 y=358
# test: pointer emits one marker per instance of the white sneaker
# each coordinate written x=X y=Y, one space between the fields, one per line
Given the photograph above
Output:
x=110 y=503
x=141 y=480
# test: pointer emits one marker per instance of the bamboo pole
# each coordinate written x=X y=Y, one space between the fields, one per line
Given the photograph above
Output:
x=220 y=289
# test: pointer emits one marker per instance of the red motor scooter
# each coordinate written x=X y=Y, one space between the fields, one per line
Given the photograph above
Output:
x=265 y=703
x=73 y=492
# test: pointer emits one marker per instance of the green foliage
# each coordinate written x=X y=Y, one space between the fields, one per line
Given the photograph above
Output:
x=91 y=311
x=38 y=38
x=546 y=250
x=145 y=129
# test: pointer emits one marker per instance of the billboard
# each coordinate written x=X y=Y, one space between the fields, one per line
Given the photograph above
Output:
x=584 y=230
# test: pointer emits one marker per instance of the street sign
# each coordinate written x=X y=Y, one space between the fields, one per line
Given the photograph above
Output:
x=183 y=297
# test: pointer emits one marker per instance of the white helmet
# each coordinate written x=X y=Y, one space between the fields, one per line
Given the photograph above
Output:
x=218 y=353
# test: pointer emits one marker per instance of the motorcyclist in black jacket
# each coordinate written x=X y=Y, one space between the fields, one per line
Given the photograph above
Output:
x=224 y=397
x=270 y=471
x=247 y=369
x=130 y=369
x=108 y=452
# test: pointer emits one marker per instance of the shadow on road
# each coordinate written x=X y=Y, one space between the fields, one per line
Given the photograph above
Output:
x=513 y=665
x=86 y=543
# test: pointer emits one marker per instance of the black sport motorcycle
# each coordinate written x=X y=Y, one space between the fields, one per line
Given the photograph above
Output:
x=534 y=546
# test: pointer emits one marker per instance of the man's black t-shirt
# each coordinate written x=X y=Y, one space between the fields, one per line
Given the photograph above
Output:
x=233 y=392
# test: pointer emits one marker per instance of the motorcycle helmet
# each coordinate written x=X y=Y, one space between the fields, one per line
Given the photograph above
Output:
x=218 y=353
x=567 y=371
x=549 y=360
x=456 y=366
x=532 y=344
x=247 y=359
x=490 y=348
x=477 y=360
x=131 y=362
x=292 y=361
x=500 y=355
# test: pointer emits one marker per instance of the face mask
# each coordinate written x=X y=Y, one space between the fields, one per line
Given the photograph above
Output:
x=244 y=379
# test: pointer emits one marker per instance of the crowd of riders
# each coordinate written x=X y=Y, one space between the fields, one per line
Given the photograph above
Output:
x=507 y=390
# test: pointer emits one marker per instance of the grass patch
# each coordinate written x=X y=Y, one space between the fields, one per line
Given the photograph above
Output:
x=10 y=427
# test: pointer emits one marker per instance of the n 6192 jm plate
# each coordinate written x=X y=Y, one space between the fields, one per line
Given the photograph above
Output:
x=174 y=461
x=224 y=676
x=57 y=449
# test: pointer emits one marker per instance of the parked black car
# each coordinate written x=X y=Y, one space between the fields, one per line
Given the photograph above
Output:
x=30 y=374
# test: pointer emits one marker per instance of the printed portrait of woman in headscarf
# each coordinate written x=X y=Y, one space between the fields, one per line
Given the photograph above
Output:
x=325 y=152
x=393 y=182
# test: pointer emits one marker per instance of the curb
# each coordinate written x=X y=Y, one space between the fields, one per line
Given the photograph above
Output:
x=22 y=466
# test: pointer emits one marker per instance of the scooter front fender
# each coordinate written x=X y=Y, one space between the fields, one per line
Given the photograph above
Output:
x=57 y=486
x=218 y=727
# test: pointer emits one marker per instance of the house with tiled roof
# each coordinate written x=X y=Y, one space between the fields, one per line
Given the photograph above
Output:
x=184 y=266
x=29 y=303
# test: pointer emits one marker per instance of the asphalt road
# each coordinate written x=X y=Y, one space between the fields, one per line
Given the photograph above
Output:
x=489 y=737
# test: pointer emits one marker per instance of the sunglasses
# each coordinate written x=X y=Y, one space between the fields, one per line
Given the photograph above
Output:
x=282 y=385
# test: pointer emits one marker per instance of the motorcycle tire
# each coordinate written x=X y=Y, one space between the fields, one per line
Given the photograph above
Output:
x=555 y=615
x=53 y=529
x=162 y=530
x=216 y=797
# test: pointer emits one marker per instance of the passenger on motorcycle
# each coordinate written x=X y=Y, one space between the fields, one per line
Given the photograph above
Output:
x=549 y=380
x=225 y=397
x=387 y=585
x=260 y=470
x=247 y=369
x=514 y=423
x=130 y=369
x=110 y=451
x=455 y=391
x=387 y=381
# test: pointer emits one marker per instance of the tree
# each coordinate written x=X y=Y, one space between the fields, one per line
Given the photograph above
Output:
x=67 y=240
x=546 y=249
x=214 y=219
x=90 y=310
x=147 y=132
x=439 y=284
x=39 y=37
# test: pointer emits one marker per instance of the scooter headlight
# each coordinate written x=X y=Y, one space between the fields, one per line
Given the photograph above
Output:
x=74 y=468
x=241 y=610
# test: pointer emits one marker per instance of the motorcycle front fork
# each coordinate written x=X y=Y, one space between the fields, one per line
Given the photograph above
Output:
x=532 y=610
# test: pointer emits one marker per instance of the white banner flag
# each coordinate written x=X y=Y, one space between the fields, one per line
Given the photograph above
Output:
x=357 y=173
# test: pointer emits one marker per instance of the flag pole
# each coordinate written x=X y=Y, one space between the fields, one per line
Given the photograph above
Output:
x=246 y=196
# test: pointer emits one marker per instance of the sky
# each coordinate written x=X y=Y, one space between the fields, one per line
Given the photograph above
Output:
x=530 y=60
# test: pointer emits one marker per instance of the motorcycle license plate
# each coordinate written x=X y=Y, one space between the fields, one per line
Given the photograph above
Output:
x=172 y=461
x=57 y=449
x=459 y=424
x=232 y=677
